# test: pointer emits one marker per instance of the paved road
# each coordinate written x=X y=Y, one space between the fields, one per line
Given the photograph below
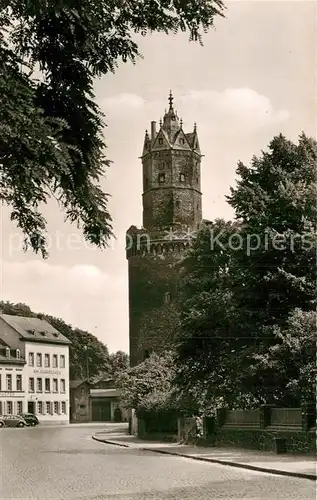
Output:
x=63 y=463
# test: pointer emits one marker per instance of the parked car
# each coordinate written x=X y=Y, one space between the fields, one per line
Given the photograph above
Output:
x=30 y=419
x=12 y=421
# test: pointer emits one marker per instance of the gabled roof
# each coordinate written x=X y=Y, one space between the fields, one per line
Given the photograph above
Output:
x=34 y=329
x=74 y=384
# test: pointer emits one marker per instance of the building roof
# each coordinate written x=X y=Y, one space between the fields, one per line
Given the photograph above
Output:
x=11 y=360
x=73 y=384
x=104 y=393
x=34 y=329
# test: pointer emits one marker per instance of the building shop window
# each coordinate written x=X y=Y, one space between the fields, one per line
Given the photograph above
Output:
x=18 y=354
x=46 y=360
x=40 y=407
x=31 y=384
x=62 y=361
x=31 y=358
x=55 y=385
x=7 y=352
x=19 y=382
x=9 y=382
x=182 y=177
x=9 y=407
x=161 y=178
x=55 y=364
x=64 y=407
x=19 y=407
x=48 y=408
x=63 y=385
x=56 y=407
x=47 y=385
x=39 y=385
x=39 y=360
x=167 y=298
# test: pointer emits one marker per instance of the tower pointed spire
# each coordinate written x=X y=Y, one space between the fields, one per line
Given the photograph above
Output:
x=195 y=127
x=170 y=100
x=181 y=123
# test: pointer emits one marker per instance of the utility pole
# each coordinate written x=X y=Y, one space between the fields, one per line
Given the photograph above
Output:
x=87 y=362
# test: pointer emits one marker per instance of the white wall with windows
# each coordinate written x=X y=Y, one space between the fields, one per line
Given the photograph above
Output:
x=47 y=379
x=13 y=397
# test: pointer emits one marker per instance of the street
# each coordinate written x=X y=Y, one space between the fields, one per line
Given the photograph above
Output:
x=64 y=462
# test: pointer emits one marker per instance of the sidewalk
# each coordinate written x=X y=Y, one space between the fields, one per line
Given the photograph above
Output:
x=287 y=465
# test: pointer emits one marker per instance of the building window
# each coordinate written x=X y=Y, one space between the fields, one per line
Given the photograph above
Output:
x=160 y=140
x=18 y=354
x=31 y=358
x=46 y=360
x=9 y=382
x=31 y=384
x=62 y=361
x=82 y=392
x=47 y=385
x=161 y=178
x=182 y=141
x=39 y=360
x=39 y=385
x=7 y=352
x=9 y=407
x=146 y=354
x=40 y=407
x=64 y=407
x=55 y=385
x=146 y=183
x=19 y=382
x=178 y=204
x=55 y=364
x=63 y=385
x=167 y=297
x=161 y=165
x=19 y=407
x=48 y=407
x=56 y=407
x=182 y=177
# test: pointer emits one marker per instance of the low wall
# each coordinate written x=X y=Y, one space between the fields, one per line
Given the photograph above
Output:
x=281 y=430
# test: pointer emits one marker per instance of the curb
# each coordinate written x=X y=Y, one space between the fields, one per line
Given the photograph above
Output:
x=279 y=472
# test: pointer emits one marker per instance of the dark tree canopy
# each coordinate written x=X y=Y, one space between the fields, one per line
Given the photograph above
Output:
x=51 y=129
x=249 y=293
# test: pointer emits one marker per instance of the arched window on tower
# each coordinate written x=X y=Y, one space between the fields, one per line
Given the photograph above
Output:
x=167 y=298
x=161 y=178
x=161 y=165
x=182 y=177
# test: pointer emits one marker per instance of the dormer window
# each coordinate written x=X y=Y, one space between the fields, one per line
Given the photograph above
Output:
x=182 y=177
x=182 y=141
x=31 y=332
x=161 y=178
x=160 y=141
x=7 y=352
x=18 y=354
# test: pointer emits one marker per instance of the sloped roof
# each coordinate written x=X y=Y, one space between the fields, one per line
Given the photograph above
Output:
x=34 y=329
x=73 y=384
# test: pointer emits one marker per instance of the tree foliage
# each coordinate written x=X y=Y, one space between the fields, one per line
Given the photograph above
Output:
x=250 y=287
x=99 y=361
x=148 y=387
x=51 y=129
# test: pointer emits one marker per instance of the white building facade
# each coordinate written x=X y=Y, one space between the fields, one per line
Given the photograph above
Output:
x=40 y=383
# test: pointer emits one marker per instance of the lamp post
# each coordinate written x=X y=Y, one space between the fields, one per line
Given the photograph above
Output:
x=87 y=361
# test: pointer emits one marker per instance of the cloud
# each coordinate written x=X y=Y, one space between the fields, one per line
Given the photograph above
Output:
x=82 y=295
x=122 y=103
x=238 y=111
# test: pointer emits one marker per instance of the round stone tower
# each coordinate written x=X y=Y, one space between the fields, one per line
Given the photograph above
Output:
x=172 y=211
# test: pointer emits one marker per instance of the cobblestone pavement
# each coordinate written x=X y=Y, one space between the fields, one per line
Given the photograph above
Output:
x=64 y=463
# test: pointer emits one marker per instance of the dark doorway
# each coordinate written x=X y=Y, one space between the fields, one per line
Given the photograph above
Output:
x=100 y=411
x=31 y=407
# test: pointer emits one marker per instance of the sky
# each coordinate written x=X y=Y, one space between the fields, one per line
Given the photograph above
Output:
x=254 y=77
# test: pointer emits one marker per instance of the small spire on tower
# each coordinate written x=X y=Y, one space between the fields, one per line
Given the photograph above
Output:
x=181 y=123
x=171 y=98
x=161 y=122
x=195 y=127
x=146 y=134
